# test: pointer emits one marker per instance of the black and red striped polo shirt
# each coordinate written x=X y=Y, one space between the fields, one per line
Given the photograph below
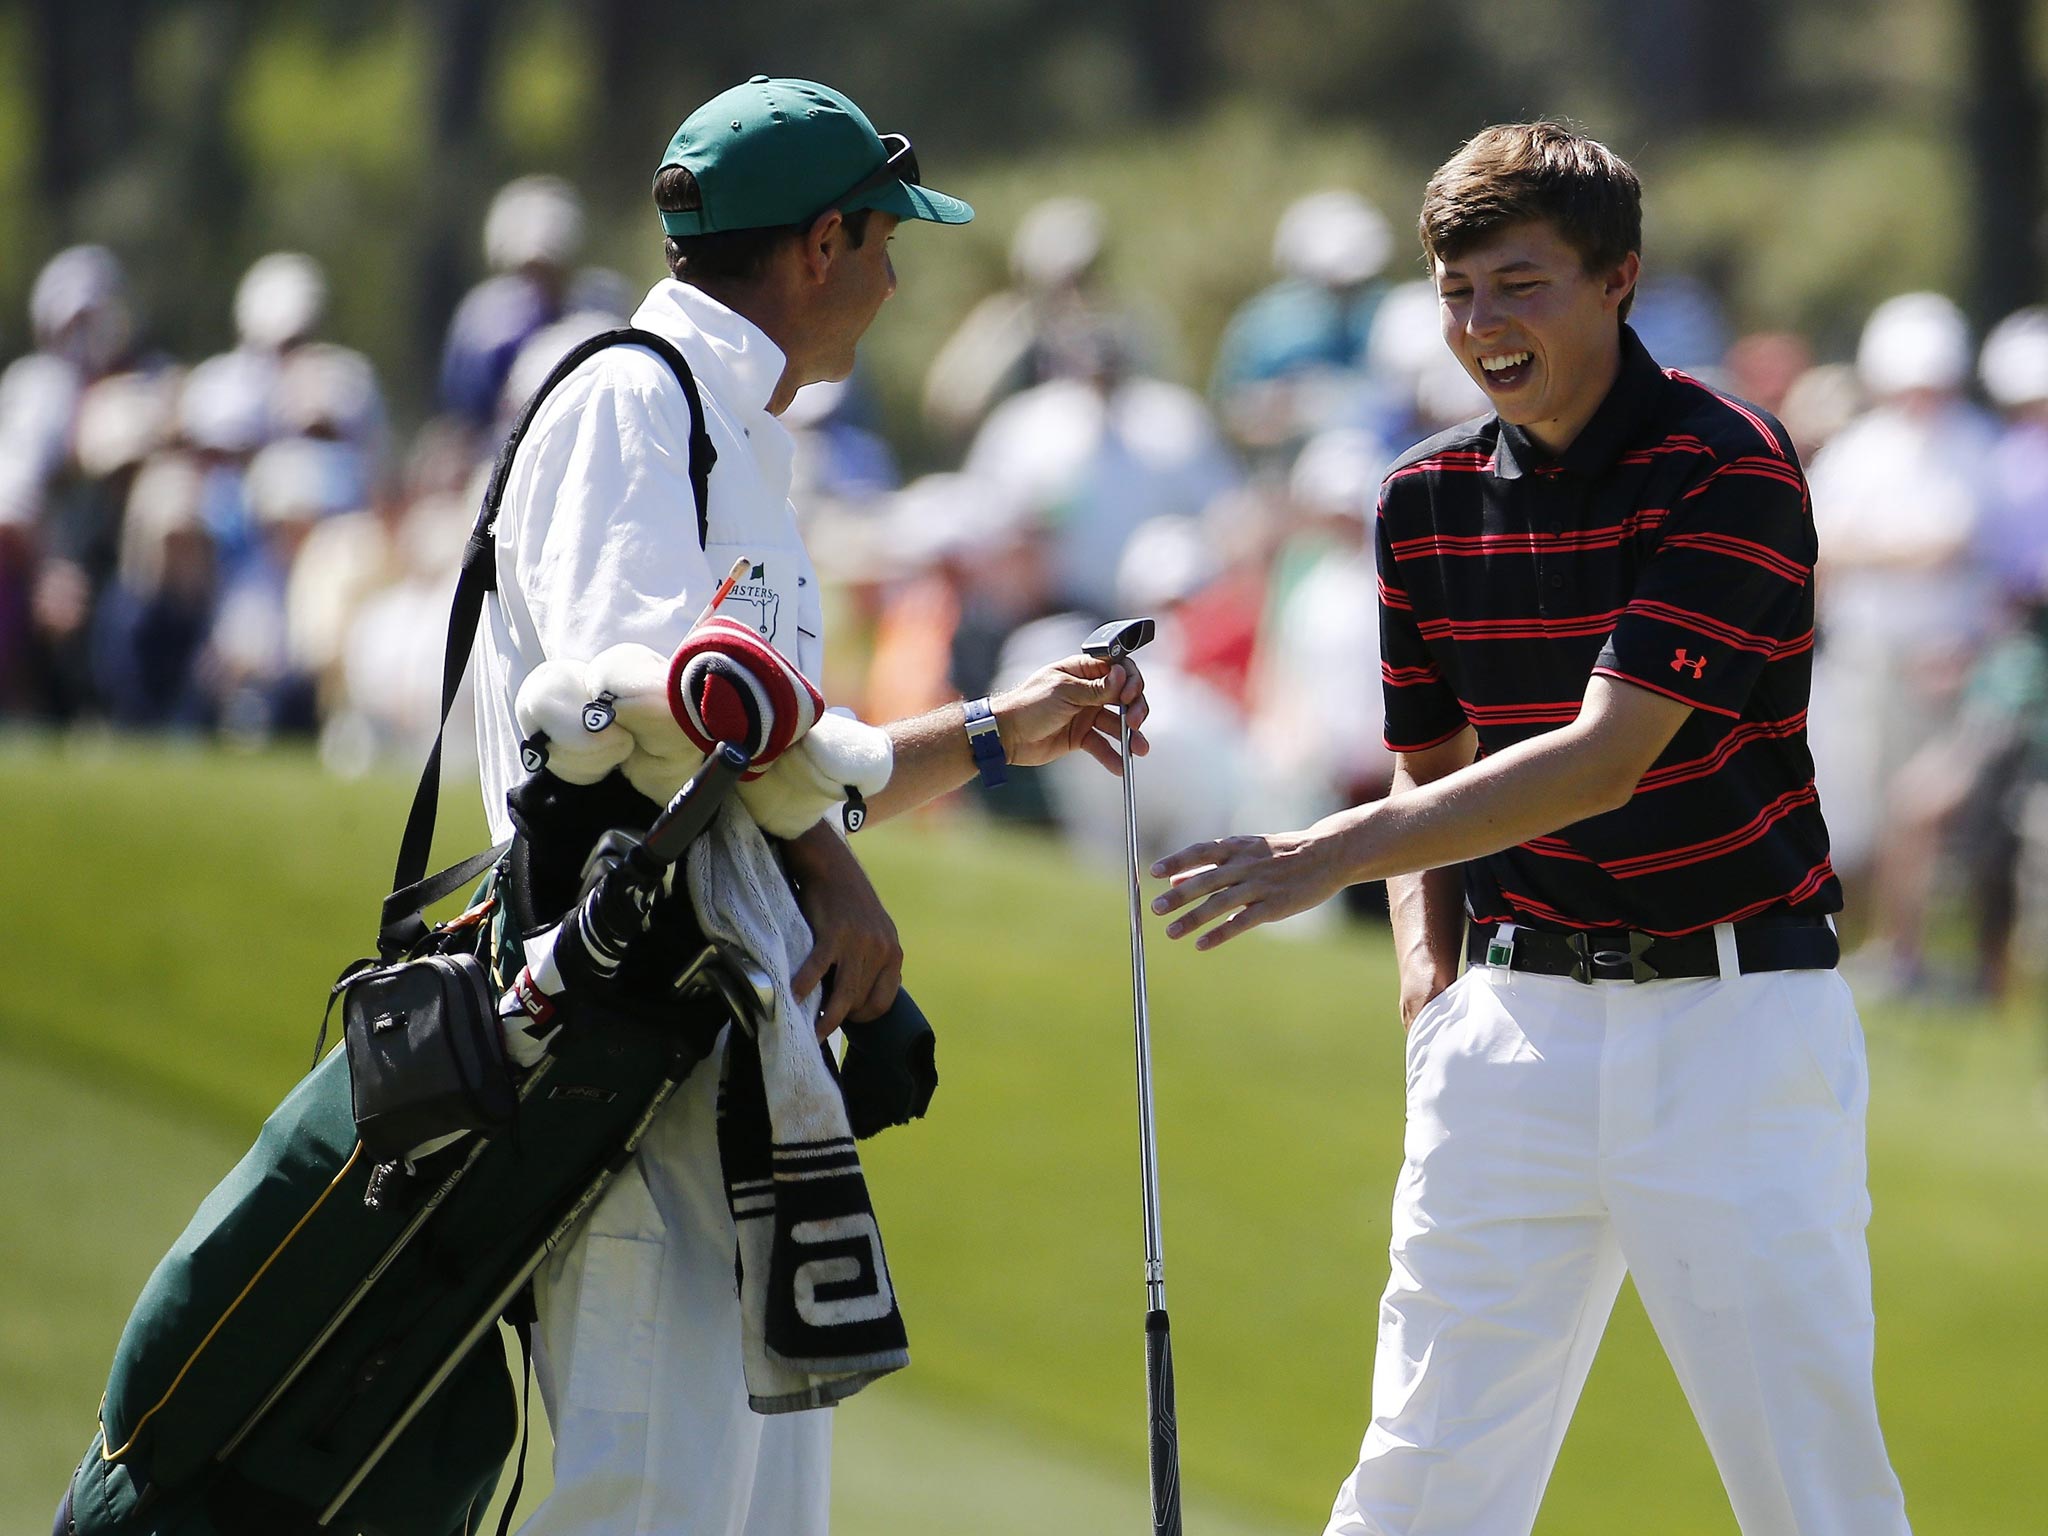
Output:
x=1671 y=546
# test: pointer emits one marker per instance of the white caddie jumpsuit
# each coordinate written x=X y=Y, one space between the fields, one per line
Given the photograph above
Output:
x=638 y=1344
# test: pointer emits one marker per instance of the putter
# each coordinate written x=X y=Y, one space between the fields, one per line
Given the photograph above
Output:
x=1113 y=642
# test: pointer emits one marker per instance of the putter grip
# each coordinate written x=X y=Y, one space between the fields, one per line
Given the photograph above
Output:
x=1165 y=1428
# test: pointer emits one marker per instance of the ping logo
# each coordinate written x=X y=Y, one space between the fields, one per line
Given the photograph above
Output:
x=848 y=1281
x=599 y=712
x=1681 y=661
x=582 y=1093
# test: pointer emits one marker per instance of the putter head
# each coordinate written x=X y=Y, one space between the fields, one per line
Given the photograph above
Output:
x=1118 y=638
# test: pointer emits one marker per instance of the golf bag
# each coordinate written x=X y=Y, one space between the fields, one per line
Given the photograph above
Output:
x=318 y=1352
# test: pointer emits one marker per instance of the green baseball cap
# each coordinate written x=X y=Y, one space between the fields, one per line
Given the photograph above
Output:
x=773 y=153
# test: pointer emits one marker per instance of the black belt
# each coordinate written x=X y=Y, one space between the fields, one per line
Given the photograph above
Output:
x=1781 y=942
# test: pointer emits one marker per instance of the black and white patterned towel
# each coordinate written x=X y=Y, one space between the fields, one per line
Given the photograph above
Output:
x=817 y=1305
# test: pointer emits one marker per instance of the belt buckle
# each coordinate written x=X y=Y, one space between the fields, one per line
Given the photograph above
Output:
x=1583 y=959
x=1589 y=963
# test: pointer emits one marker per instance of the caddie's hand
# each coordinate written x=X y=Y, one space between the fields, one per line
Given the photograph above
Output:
x=1072 y=706
x=1231 y=886
x=852 y=935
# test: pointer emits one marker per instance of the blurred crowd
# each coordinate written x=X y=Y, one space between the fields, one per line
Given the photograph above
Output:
x=243 y=546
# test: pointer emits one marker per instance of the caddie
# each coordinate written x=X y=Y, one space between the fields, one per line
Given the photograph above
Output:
x=778 y=199
x=1596 y=606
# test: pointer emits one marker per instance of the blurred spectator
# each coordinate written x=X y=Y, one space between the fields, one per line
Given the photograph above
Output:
x=151 y=625
x=349 y=557
x=531 y=236
x=1096 y=452
x=1317 y=727
x=598 y=300
x=1194 y=775
x=1416 y=385
x=966 y=569
x=1968 y=789
x=1012 y=340
x=1897 y=497
x=1679 y=321
x=2013 y=535
x=226 y=413
x=390 y=697
x=842 y=466
x=1290 y=358
x=1763 y=366
x=264 y=688
x=1819 y=404
x=57 y=531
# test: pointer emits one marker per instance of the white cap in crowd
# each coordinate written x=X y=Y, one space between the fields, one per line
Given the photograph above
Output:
x=1057 y=241
x=1335 y=238
x=2014 y=364
x=949 y=515
x=280 y=300
x=1914 y=341
x=225 y=406
x=79 y=305
x=300 y=479
x=328 y=391
x=1166 y=561
x=534 y=221
x=1338 y=472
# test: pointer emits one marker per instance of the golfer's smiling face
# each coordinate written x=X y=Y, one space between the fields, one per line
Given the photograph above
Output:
x=1537 y=331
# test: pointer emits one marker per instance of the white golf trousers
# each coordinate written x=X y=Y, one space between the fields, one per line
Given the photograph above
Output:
x=1704 y=1136
x=638 y=1359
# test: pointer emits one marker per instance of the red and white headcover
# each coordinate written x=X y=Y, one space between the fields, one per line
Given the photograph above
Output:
x=727 y=683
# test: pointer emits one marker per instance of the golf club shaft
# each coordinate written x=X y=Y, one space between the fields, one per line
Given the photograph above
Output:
x=1148 y=1147
x=1163 y=1442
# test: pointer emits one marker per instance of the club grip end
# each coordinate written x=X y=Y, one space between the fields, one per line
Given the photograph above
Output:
x=1165 y=1426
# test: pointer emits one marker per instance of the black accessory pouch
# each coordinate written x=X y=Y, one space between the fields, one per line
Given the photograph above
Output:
x=425 y=1058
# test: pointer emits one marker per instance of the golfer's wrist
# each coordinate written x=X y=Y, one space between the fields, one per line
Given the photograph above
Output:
x=1345 y=845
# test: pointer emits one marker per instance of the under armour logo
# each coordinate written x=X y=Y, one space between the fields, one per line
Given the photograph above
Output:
x=1681 y=661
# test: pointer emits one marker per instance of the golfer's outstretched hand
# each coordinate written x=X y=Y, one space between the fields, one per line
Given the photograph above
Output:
x=1072 y=706
x=1231 y=886
x=854 y=947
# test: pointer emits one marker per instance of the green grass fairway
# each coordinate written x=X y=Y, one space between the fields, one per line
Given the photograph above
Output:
x=174 y=918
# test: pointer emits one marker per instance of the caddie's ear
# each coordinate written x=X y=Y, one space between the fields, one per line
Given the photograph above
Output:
x=822 y=244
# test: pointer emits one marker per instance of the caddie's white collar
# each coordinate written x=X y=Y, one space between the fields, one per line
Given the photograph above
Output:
x=682 y=313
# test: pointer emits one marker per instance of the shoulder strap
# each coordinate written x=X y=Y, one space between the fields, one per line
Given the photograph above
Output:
x=401 y=925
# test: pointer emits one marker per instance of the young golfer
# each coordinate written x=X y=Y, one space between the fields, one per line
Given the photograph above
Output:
x=778 y=200
x=1597 y=611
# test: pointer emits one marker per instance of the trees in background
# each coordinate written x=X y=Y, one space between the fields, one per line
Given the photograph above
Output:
x=193 y=134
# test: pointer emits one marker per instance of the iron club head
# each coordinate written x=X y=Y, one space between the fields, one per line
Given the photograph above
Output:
x=1118 y=638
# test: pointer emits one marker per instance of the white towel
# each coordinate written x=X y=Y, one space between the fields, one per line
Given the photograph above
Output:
x=817 y=1305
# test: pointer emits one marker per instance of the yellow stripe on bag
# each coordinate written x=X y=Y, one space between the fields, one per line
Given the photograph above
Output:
x=136 y=1433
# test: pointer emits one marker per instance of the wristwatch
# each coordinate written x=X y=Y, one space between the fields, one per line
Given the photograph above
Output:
x=986 y=743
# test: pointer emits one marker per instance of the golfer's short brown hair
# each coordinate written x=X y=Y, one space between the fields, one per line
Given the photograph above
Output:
x=1516 y=172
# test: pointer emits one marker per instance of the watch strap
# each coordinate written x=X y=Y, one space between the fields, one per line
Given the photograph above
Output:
x=986 y=743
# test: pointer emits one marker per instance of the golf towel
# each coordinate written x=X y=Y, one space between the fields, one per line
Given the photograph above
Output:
x=817 y=1307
